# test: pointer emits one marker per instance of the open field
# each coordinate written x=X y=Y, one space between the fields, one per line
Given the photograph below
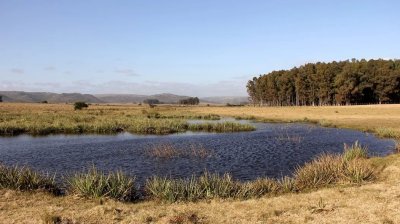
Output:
x=372 y=202
x=384 y=120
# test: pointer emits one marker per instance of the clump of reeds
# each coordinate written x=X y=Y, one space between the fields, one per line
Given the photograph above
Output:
x=221 y=127
x=168 y=151
x=387 y=133
x=350 y=167
x=322 y=171
x=355 y=151
x=191 y=189
x=95 y=184
x=26 y=179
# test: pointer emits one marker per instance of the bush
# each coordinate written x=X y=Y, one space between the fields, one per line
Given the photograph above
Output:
x=96 y=184
x=80 y=105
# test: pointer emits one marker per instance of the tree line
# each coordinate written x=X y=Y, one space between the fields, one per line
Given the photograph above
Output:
x=335 y=83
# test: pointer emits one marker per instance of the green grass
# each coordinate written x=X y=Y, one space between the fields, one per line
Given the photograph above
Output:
x=96 y=184
x=26 y=179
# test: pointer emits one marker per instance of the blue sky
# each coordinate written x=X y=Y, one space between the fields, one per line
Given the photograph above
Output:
x=202 y=48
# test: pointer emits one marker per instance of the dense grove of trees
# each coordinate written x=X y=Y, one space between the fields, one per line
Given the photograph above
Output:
x=190 y=101
x=334 y=83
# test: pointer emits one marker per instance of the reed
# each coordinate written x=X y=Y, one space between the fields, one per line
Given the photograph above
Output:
x=355 y=151
x=350 y=167
x=384 y=132
x=96 y=184
x=168 y=151
x=26 y=179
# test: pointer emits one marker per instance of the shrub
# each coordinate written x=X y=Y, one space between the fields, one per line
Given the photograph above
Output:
x=25 y=179
x=80 y=105
x=96 y=184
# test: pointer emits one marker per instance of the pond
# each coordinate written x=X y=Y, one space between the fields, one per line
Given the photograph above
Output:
x=273 y=150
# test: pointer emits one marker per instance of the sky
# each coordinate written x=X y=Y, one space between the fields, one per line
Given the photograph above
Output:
x=197 y=48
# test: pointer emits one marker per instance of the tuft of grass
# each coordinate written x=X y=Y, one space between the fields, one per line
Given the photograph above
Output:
x=358 y=171
x=287 y=185
x=350 y=167
x=96 y=184
x=259 y=188
x=322 y=171
x=25 y=179
x=355 y=151
x=206 y=186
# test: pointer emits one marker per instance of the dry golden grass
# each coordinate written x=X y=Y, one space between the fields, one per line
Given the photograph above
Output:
x=374 y=118
x=371 y=203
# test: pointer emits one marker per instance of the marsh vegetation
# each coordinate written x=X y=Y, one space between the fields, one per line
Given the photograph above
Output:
x=59 y=119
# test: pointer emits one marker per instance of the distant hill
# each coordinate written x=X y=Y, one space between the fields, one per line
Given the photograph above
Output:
x=134 y=98
x=225 y=99
x=34 y=97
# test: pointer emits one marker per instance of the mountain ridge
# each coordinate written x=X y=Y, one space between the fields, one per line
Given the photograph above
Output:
x=36 y=97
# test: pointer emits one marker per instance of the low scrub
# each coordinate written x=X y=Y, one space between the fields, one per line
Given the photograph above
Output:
x=25 y=179
x=96 y=184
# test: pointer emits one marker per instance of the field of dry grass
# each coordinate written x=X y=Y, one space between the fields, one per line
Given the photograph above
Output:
x=371 y=203
x=384 y=120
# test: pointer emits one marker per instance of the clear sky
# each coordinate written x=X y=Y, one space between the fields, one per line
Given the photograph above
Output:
x=202 y=48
